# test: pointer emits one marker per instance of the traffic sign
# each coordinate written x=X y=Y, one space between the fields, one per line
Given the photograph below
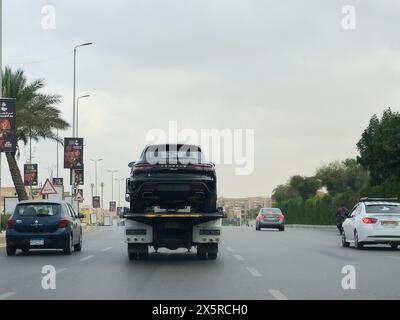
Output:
x=79 y=197
x=48 y=188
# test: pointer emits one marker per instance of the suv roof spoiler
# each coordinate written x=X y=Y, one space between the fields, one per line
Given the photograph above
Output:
x=367 y=199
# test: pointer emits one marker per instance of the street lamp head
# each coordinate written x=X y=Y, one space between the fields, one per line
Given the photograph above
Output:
x=85 y=96
x=84 y=44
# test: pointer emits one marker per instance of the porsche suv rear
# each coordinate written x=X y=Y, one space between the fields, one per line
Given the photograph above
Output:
x=172 y=177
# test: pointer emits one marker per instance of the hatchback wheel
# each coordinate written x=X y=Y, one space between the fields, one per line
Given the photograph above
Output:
x=68 y=247
x=11 y=250
x=394 y=245
x=78 y=247
x=357 y=244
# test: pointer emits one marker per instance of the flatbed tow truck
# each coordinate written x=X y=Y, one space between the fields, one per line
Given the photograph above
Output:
x=172 y=202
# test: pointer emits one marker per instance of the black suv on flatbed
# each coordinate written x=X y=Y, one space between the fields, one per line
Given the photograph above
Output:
x=172 y=177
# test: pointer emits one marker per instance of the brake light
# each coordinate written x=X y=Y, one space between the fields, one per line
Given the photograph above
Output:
x=11 y=224
x=369 y=220
x=261 y=216
x=63 y=223
x=280 y=216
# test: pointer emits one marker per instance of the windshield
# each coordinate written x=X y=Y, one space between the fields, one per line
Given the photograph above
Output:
x=38 y=209
x=384 y=208
x=180 y=154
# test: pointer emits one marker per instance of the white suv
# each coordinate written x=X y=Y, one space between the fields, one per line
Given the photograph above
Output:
x=373 y=221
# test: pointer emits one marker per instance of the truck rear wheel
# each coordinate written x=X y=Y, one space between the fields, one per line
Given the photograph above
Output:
x=202 y=255
x=212 y=255
x=132 y=255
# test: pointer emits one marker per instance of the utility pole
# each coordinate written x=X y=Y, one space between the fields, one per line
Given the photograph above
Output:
x=91 y=188
x=1 y=77
x=102 y=193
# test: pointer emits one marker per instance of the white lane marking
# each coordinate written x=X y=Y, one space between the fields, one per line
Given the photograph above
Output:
x=87 y=258
x=60 y=270
x=254 y=272
x=394 y=257
x=278 y=295
x=106 y=249
x=123 y=241
x=229 y=249
x=6 y=295
x=239 y=257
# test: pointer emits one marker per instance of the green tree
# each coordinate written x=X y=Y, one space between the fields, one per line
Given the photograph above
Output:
x=284 y=192
x=306 y=187
x=37 y=117
x=379 y=147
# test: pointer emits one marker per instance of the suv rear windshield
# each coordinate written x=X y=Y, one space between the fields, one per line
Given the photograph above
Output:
x=37 y=209
x=270 y=211
x=166 y=154
x=383 y=208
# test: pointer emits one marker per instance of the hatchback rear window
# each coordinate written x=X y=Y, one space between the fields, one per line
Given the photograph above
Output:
x=37 y=209
x=271 y=211
x=383 y=208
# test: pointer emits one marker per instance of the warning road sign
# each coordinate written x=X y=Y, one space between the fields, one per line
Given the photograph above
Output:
x=79 y=197
x=48 y=188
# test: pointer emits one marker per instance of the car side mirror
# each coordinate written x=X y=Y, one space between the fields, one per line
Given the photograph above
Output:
x=81 y=216
x=131 y=164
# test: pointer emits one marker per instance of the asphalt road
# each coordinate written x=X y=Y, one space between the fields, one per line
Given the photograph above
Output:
x=295 y=264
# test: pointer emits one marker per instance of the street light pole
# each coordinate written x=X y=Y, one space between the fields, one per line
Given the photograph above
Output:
x=77 y=112
x=102 y=193
x=112 y=183
x=95 y=172
x=119 y=190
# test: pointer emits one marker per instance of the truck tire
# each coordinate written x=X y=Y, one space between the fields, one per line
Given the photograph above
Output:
x=202 y=255
x=132 y=255
x=143 y=255
x=212 y=255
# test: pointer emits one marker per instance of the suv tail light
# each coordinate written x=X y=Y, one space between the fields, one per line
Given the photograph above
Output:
x=369 y=220
x=280 y=216
x=63 y=223
x=11 y=224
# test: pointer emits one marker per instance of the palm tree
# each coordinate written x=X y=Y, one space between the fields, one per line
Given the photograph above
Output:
x=36 y=118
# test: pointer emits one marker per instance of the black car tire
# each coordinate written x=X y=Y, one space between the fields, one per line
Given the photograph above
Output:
x=68 y=246
x=345 y=244
x=210 y=205
x=281 y=229
x=78 y=247
x=394 y=246
x=258 y=228
x=357 y=244
x=11 y=250
x=137 y=205
x=212 y=255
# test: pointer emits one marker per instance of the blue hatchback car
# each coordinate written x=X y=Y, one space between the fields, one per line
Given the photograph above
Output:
x=44 y=225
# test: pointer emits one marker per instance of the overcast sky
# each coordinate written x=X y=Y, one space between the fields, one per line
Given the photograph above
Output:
x=286 y=69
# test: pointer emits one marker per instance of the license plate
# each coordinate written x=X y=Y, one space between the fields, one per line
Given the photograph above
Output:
x=37 y=242
x=390 y=224
x=271 y=219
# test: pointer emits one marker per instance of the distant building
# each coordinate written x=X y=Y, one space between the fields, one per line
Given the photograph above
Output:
x=232 y=205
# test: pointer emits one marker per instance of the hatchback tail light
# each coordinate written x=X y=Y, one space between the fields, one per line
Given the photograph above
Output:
x=11 y=224
x=280 y=216
x=369 y=220
x=63 y=223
